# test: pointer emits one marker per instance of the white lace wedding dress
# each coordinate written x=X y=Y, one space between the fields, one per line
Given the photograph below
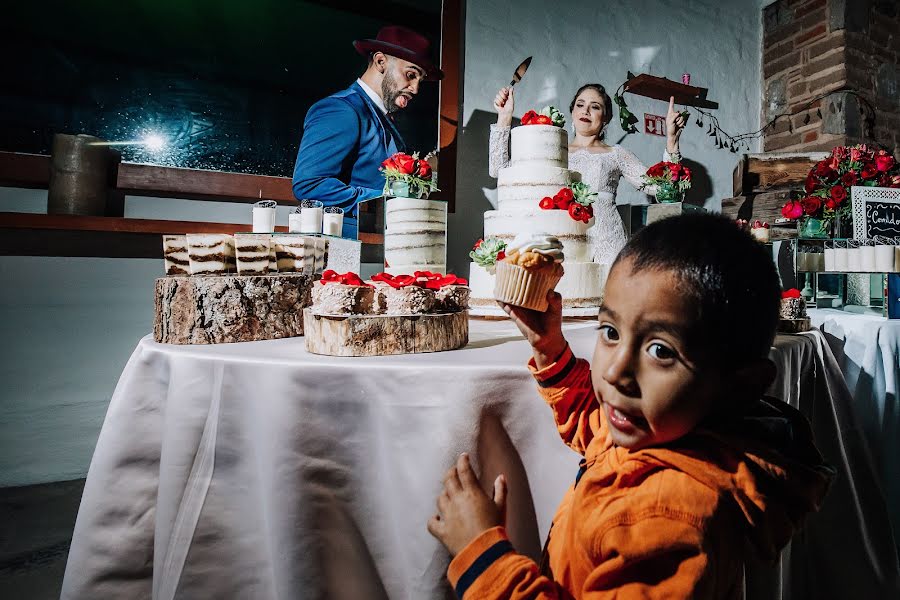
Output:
x=601 y=171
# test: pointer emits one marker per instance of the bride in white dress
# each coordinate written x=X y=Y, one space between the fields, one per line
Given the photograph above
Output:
x=601 y=165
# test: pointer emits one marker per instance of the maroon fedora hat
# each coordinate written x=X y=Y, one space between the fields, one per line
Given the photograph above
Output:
x=403 y=43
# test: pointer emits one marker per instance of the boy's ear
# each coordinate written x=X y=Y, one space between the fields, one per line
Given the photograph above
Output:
x=754 y=378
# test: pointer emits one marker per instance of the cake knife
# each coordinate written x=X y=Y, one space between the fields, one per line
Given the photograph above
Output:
x=520 y=71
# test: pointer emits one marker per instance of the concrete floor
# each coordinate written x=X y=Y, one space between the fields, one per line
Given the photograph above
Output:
x=36 y=524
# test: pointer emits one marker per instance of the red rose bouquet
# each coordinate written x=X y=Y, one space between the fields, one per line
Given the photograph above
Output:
x=407 y=175
x=549 y=115
x=577 y=199
x=828 y=183
x=669 y=180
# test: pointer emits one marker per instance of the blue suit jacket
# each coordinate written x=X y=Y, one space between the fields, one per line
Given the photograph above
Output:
x=345 y=140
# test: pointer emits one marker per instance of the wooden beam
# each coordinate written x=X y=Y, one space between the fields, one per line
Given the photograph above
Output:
x=22 y=170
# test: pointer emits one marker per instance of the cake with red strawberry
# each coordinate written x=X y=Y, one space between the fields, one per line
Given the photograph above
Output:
x=538 y=194
x=760 y=231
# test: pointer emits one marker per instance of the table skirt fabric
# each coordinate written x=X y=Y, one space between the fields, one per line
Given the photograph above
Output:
x=257 y=470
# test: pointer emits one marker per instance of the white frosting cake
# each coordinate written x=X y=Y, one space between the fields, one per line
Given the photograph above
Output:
x=415 y=236
x=539 y=156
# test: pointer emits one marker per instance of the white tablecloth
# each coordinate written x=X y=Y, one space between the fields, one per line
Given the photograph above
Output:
x=257 y=470
x=867 y=349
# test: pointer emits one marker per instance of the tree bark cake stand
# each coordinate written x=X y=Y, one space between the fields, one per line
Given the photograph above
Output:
x=794 y=325
x=230 y=308
x=380 y=335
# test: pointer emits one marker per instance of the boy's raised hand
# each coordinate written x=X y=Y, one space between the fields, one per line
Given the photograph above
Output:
x=464 y=510
x=543 y=330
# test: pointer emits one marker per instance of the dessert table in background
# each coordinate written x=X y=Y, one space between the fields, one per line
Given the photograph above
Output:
x=867 y=350
x=256 y=470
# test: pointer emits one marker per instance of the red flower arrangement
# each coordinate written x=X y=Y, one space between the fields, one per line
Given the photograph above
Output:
x=828 y=183
x=331 y=276
x=410 y=169
x=423 y=279
x=549 y=115
x=670 y=179
x=576 y=199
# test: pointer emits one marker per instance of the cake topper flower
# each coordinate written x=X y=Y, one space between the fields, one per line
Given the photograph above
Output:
x=576 y=198
x=791 y=293
x=423 y=279
x=487 y=252
x=549 y=115
x=331 y=276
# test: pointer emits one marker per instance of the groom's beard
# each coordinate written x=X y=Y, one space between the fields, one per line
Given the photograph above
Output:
x=390 y=90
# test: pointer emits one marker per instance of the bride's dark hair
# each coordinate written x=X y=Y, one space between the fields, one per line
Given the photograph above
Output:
x=607 y=101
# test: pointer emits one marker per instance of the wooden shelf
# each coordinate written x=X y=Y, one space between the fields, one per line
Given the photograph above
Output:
x=661 y=88
x=29 y=234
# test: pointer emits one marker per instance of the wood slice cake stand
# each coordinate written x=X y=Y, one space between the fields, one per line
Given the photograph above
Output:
x=794 y=325
x=230 y=308
x=380 y=335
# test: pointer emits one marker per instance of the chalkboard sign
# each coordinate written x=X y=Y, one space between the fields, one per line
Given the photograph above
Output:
x=876 y=211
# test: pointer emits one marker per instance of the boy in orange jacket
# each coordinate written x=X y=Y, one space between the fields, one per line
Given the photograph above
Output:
x=685 y=463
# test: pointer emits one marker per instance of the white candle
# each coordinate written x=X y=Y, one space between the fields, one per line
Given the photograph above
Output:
x=819 y=264
x=263 y=219
x=294 y=222
x=829 y=259
x=311 y=219
x=867 y=262
x=854 y=259
x=802 y=261
x=884 y=258
x=333 y=223
x=840 y=259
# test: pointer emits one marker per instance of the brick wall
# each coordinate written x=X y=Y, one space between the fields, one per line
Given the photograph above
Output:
x=816 y=47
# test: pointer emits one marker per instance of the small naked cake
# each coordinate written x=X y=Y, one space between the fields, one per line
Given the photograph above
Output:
x=760 y=231
x=792 y=313
x=342 y=294
x=531 y=268
x=421 y=292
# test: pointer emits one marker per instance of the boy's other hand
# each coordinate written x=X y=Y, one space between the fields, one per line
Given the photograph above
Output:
x=464 y=510
x=543 y=330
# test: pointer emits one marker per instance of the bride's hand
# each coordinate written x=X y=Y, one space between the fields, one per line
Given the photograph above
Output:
x=675 y=122
x=504 y=104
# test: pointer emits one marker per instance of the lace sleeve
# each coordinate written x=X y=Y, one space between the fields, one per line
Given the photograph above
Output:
x=499 y=149
x=632 y=169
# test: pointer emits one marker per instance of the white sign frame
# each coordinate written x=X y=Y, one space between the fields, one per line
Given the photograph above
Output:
x=860 y=196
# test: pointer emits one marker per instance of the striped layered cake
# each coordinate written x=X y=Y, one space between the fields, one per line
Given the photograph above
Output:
x=211 y=253
x=415 y=236
x=175 y=254
x=252 y=253
x=299 y=253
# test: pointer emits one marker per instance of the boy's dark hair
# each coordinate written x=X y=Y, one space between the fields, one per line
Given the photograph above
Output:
x=726 y=274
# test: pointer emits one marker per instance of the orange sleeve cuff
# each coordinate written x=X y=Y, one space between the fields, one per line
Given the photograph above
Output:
x=554 y=370
x=477 y=557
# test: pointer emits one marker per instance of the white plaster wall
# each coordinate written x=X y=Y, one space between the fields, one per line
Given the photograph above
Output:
x=576 y=41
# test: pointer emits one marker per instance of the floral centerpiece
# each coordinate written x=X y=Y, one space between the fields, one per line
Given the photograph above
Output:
x=407 y=176
x=549 y=115
x=576 y=198
x=486 y=253
x=827 y=187
x=670 y=179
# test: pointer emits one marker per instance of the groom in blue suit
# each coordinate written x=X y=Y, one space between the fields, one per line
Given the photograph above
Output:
x=347 y=135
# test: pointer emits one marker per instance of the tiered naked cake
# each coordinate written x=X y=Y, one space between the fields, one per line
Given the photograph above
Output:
x=539 y=158
x=415 y=235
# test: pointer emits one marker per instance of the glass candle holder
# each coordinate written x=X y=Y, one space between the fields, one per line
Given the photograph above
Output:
x=829 y=256
x=867 y=256
x=884 y=253
x=854 y=256
x=840 y=256
x=311 y=212
x=333 y=221
x=264 y=216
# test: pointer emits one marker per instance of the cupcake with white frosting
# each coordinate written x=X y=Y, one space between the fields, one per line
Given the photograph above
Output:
x=531 y=268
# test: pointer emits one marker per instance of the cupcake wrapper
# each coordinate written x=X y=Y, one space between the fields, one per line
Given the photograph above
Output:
x=520 y=287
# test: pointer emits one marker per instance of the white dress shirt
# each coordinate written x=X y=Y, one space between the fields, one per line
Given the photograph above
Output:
x=371 y=94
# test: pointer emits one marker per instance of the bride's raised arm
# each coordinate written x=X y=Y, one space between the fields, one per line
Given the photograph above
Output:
x=631 y=167
x=504 y=104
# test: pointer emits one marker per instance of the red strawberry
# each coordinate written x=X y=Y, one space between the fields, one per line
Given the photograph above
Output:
x=501 y=255
x=542 y=120
x=528 y=117
x=547 y=203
